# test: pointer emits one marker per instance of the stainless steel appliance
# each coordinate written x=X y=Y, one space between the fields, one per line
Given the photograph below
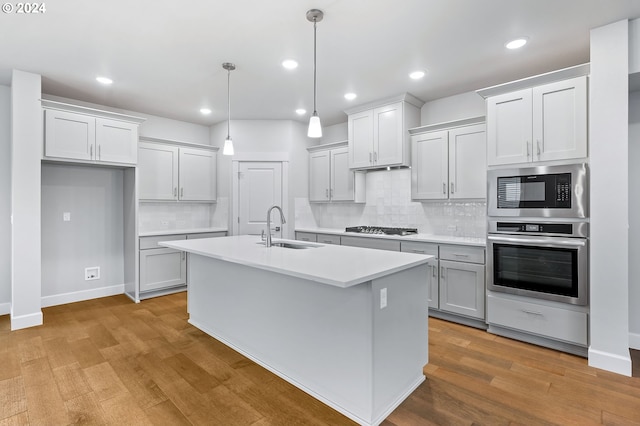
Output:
x=543 y=191
x=540 y=259
x=381 y=230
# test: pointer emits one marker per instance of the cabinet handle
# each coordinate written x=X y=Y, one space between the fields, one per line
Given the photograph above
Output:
x=370 y=157
x=175 y=191
x=418 y=251
x=91 y=152
x=442 y=272
x=184 y=256
x=526 y=311
x=460 y=255
x=182 y=192
x=326 y=193
x=375 y=157
x=327 y=242
x=331 y=193
x=444 y=188
x=451 y=187
x=435 y=271
x=538 y=144
x=528 y=152
x=99 y=152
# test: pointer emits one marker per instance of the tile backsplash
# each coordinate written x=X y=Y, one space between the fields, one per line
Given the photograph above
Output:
x=389 y=204
x=180 y=215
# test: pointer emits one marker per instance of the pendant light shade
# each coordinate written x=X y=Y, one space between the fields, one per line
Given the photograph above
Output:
x=315 y=128
x=228 y=143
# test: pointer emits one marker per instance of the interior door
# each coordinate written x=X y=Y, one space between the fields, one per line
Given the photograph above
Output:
x=259 y=187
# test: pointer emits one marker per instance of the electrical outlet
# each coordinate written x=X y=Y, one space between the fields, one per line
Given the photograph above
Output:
x=92 y=273
x=66 y=216
x=383 y=298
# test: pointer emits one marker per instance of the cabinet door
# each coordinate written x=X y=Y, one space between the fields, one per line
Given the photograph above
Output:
x=462 y=289
x=509 y=128
x=388 y=135
x=429 y=163
x=116 y=141
x=157 y=172
x=319 y=182
x=342 y=185
x=69 y=135
x=560 y=120
x=433 y=283
x=467 y=162
x=197 y=175
x=360 y=129
x=161 y=268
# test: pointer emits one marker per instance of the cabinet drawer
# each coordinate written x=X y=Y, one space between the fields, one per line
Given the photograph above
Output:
x=548 y=321
x=374 y=243
x=430 y=249
x=306 y=236
x=206 y=235
x=462 y=253
x=328 y=239
x=152 y=242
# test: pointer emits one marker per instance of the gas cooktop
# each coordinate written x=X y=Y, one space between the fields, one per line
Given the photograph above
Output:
x=381 y=230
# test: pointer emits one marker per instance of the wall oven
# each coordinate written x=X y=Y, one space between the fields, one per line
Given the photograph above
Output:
x=540 y=259
x=543 y=191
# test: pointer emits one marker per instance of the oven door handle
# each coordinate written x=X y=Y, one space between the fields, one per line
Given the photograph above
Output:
x=547 y=241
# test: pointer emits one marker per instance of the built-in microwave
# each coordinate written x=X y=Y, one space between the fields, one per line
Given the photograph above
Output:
x=543 y=191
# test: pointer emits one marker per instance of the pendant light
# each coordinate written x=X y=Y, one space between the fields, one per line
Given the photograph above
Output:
x=315 y=128
x=228 y=143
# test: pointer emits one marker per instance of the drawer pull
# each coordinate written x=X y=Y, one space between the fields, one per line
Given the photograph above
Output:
x=526 y=311
x=418 y=251
x=460 y=255
x=327 y=242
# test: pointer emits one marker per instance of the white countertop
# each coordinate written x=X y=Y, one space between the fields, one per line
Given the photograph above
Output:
x=427 y=238
x=180 y=231
x=335 y=265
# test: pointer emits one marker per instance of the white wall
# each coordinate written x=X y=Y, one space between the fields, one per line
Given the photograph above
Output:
x=26 y=151
x=609 y=259
x=457 y=107
x=336 y=133
x=266 y=136
x=5 y=199
x=93 y=237
x=634 y=220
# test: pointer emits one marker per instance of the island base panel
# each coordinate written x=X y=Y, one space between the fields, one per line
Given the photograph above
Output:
x=334 y=343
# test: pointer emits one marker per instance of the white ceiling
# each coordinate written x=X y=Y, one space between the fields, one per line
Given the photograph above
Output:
x=165 y=57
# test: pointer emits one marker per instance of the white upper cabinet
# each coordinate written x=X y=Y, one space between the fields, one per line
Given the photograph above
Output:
x=543 y=122
x=84 y=135
x=330 y=178
x=450 y=163
x=378 y=134
x=176 y=173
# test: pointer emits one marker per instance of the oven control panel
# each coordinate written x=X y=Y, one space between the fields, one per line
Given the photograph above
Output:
x=535 y=228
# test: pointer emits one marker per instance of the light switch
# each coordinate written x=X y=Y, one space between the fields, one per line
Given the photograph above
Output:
x=66 y=216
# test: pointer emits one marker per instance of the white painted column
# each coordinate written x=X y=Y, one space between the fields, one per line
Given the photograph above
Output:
x=609 y=258
x=26 y=152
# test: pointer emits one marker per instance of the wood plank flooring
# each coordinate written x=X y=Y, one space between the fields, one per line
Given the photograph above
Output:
x=112 y=362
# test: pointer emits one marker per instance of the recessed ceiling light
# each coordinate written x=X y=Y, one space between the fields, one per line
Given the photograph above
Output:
x=417 y=75
x=301 y=111
x=350 y=96
x=205 y=111
x=104 y=80
x=290 y=64
x=517 y=43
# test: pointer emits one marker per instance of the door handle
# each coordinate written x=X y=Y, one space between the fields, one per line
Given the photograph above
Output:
x=451 y=187
x=444 y=188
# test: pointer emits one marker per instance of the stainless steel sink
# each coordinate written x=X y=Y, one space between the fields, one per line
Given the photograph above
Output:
x=291 y=245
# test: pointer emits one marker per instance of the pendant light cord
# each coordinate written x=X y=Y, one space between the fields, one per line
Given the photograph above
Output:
x=314 y=67
x=229 y=103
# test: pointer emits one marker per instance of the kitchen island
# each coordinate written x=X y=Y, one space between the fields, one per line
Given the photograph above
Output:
x=346 y=325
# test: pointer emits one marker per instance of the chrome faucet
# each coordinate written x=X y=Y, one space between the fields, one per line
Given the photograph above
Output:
x=282 y=221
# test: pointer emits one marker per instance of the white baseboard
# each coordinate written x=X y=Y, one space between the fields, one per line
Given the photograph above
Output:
x=25 y=321
x=610 y=362
x=79 y=296
x=5 y=308
x=634 y=341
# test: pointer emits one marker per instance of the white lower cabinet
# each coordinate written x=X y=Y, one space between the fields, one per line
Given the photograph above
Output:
x=163 y=268
x=462 y=288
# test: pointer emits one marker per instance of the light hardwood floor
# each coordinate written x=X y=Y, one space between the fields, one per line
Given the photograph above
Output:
x=110 y=361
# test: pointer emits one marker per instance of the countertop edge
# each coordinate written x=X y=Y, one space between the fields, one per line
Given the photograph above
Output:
x=426 y=238
x=180 y=231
